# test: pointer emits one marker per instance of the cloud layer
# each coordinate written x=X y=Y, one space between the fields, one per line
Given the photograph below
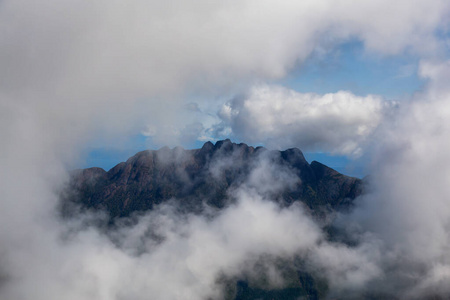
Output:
x=74 y=71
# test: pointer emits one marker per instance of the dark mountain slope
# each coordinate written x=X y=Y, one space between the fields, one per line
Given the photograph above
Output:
x=207 y=175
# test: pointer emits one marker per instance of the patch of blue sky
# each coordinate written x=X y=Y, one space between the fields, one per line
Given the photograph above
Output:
x=342 y=164
x=106 y=157
x=349 y=67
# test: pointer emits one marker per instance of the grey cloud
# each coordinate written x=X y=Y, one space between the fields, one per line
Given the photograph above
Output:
x=407 y=207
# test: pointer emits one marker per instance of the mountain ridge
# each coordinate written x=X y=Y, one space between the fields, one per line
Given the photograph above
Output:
x=151 y=177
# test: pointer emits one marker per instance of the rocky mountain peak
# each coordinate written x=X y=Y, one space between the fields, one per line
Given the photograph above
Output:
x=205 y=175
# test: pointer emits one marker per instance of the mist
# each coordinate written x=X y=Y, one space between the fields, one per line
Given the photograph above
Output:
x=76 y=72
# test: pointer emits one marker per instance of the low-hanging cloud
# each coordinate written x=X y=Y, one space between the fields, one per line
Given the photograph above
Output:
x=163 y=253
x=278 y=117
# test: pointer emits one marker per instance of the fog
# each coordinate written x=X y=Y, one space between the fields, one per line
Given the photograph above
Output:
x=76 y=72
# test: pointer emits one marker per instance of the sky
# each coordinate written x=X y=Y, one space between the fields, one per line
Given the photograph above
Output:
x=346 y=67
x=359 y=85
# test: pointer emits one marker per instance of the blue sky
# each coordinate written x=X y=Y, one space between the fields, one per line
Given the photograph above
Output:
x=351 y=68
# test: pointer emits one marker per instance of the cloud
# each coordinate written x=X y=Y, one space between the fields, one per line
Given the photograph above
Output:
x=118 y=68
x=74 y=71
x=407 y=208
x=278 y=117
x=436 y=72
x=162 y=253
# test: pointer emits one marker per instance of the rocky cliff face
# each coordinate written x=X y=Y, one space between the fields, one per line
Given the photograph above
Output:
x=208 y=175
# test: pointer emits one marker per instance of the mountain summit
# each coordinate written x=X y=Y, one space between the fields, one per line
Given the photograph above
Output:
x=202 y=176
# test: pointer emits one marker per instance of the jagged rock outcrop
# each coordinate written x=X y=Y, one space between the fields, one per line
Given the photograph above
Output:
x=207 y=175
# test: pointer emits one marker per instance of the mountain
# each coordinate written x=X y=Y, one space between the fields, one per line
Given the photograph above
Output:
x=210 y=176
x=206 y=176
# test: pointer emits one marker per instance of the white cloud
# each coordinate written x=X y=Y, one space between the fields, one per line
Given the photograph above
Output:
x=339 y=122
